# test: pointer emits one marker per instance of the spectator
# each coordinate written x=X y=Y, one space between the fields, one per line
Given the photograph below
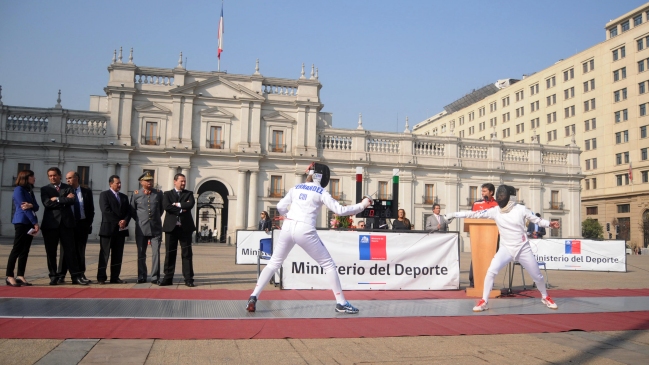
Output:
x=534 y=230
x=361 y=225
x=209 y=236
x=24 y=220
x=265 y=223
x=436 y=222
x=401 y=223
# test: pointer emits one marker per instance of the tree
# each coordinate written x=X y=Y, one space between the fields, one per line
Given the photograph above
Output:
x=590 y=228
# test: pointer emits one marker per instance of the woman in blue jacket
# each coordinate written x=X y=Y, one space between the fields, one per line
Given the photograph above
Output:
x=24 y=220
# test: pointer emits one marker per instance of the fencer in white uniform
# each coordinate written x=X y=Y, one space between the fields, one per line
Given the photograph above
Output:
x=514 y=246
x=305 y=201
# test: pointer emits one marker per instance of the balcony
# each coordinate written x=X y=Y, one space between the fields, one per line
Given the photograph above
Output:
x=281 y=148
x=555 y=205
x=381 y=196
x=218 y=144
x=276 y=193
x=150 y=141
x=429 y=199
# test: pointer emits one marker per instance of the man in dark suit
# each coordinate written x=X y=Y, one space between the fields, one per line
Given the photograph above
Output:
x=534 y=230
x=178 y=227
x=59 y=225
x=115 y=216
x=84 y=213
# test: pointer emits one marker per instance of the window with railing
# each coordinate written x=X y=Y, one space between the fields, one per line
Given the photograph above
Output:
x=429 y=196
x=473 y=195
x=554 y=200
x=84 y=176
x=276 y=190
x=216 y=138
x=383 y=190
x=625 y=228
x=151 y=134
x=277 y=143
x=334 y=189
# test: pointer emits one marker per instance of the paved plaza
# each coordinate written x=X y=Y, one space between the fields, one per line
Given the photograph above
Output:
x=215 y=269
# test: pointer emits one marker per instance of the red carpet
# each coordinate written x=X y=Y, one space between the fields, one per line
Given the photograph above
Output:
x=319 y=328
x=224 y=294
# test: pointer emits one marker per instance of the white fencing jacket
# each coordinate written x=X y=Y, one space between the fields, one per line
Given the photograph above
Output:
x=306 y=199
x=511 y=225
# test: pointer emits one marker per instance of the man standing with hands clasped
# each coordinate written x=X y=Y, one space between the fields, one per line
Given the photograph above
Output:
x=59 y=224
x=115 y=216
x=436 y=222
x=146 y=206
x=178 y=227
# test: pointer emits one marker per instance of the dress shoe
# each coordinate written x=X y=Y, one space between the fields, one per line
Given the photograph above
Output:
x=154 y=281
x=23 y=282
x=85 y=278
x=54 y=281
x=165 y=282
x=79 y=281
x=141 y=281
x=118 y=281
x=189 y=284
x=101 y=282
x=10 y=284
x=61 y=280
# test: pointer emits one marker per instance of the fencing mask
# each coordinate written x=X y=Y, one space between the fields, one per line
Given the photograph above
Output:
x=503 y=195
x=320 y=173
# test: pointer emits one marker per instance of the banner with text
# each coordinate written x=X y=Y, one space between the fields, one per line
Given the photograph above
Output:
x=379 y=261
x=580 y=254
x=248 y=246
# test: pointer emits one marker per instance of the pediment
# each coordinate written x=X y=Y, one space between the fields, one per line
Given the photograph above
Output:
x=215 y=111
x=152 y=107
x=218 y=87
x=278 y=117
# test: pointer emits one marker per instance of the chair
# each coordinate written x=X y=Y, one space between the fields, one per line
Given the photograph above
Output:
x=265 y=252
x=513 y=268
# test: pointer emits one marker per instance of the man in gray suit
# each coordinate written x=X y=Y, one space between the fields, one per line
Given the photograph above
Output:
x=146 y=208
x=436 y=222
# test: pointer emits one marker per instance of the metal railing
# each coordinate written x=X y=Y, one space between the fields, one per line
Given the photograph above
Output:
x=429 y=199
x=277 y=148
x=219 y=145
x=554 y=205
x=150 y=141
x=276 y=193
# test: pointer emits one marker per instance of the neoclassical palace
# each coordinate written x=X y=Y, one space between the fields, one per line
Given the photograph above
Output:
x=244 y=140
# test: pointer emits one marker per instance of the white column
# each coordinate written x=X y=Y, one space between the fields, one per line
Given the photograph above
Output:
x=241 y=201
x=172 y=173
x=124 y=178
x=252 y=200
x=110 y=170
x=188 y=186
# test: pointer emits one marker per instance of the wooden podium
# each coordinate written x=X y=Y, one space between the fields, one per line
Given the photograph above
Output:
x=484 y=239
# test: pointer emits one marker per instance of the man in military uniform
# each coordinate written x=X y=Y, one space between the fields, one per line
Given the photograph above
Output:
x=146 y=205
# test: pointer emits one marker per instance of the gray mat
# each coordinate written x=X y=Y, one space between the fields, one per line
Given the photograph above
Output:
x=235 y=309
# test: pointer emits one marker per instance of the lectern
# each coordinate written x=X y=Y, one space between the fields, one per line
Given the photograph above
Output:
x=484 y=239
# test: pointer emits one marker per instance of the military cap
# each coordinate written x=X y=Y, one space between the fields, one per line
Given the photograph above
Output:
x=145 y=176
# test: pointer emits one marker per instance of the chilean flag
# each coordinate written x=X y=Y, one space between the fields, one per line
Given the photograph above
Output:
x=630 y=173
x=220 y=34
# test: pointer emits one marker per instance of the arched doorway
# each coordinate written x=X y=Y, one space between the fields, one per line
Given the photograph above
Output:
x=212 y=208
x=645 y=228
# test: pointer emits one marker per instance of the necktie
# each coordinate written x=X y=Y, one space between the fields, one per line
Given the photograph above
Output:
x=77 y=207
x=117 y=197
x=57 y=188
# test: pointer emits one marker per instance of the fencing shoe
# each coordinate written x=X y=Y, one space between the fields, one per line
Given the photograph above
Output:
x=481 y=306
x=252 y=304
x=346 y=308
x=549 y=303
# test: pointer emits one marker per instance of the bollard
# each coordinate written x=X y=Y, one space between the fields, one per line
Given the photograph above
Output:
x=229 y=241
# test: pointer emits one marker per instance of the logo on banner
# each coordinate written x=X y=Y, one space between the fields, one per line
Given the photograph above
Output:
x=372 y=247
x=573 y=247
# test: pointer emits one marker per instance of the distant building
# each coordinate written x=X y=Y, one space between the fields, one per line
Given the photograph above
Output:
x=243 y=140
x=599 y=97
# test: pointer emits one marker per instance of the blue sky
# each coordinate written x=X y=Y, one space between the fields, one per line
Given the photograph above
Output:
x=385 y=59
